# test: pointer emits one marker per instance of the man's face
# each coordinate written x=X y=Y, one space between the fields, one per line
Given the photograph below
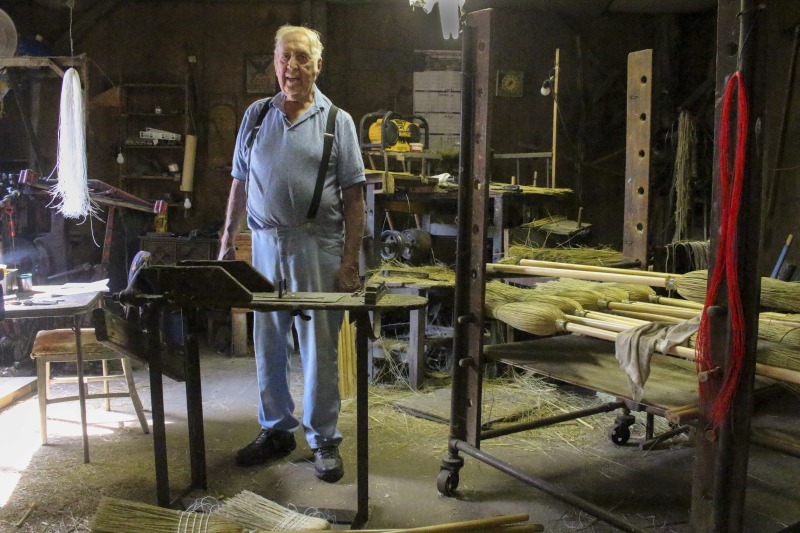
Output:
x=295 y=68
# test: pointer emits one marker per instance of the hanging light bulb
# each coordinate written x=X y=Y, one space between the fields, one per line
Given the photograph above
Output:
x=187 y=204
x=547 y=86
x=120 y=158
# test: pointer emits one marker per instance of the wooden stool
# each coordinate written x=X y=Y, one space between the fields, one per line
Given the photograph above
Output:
x=58 y=346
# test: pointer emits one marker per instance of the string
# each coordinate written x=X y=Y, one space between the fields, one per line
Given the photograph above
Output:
x=71 y=191
x=726 y=266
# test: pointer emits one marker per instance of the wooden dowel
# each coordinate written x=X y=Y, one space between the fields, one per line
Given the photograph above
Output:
x=600 y=324
x=579 y=274
x=599 y=315
x=650 y=317
x=676 y=416
x=657 y=309
x=469 y=525
x=675 y=302
x=593 y=268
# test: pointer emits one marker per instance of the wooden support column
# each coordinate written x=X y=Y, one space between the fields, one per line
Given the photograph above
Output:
x=720 y=473
x=637 y=160
x=477 y=102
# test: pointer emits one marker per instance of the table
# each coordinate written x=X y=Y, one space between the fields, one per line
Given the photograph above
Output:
x=424 y=206
x=74 y=305
x=191 y=291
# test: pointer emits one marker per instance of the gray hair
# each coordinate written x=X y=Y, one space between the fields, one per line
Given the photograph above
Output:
x=313 y=37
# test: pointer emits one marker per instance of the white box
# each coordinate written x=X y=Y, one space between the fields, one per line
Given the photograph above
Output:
x=437 y=80
x=444 y=123
x=436 y=102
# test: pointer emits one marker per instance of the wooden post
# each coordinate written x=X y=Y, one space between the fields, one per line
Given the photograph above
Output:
x=555 y=118
x=721 y=457
x=637 y=159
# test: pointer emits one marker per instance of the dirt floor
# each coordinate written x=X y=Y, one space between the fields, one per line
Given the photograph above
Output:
x=651 y=488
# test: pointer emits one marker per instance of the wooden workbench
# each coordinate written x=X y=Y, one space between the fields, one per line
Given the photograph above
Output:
x=355 y=303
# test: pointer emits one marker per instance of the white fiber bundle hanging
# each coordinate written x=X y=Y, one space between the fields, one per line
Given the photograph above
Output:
x=71 y=192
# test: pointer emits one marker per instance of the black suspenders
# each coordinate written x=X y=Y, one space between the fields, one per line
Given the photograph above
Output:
x=330 y=130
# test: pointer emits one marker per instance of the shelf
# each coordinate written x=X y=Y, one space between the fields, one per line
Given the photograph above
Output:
x=141 y=171
x=154 y=178
x=169 y=114
x=155 y=146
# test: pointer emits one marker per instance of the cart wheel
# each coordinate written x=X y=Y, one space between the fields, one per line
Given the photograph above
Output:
x=447 y=482
x=619 y=434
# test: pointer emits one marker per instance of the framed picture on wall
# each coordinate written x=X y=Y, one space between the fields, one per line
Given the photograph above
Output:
x=259 y=74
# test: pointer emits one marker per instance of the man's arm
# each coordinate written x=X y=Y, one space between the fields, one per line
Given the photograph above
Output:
x=237 y=204
x=346 y=277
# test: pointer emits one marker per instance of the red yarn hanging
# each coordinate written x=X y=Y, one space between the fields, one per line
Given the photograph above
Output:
x=726 y=266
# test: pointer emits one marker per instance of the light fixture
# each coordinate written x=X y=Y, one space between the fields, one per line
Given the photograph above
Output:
x=547 y=86
x=449 y=14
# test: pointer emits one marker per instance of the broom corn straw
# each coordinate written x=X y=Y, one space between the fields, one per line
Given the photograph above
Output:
x=777 y=294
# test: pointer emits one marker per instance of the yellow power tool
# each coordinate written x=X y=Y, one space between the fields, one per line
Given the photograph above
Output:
x=393 y=132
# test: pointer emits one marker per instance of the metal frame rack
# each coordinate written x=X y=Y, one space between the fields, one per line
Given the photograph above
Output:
x=722 y=511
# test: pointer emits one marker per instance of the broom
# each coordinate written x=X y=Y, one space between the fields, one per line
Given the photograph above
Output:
x=123 y=516
x=546 y=320
x=777 y=294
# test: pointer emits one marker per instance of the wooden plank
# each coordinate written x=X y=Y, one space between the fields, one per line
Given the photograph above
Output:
x=590 y=363
x=14 y=388
x=122 y=336
x=637 y=159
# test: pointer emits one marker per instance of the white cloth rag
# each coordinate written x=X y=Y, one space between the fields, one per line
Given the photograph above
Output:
x=634 y=348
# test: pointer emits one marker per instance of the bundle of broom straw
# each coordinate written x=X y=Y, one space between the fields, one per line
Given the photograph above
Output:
x=255 y=512
x=123 y=516
x=775 y=294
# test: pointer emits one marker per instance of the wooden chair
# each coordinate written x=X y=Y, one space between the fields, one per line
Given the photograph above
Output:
x=58 y=346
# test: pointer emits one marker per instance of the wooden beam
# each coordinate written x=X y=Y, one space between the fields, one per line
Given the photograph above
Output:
x=720 y=472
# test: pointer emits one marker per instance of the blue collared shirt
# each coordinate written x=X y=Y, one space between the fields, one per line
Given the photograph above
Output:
x=285 y=159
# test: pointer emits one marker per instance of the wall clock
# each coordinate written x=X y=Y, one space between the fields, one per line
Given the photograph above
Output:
x=509 y=83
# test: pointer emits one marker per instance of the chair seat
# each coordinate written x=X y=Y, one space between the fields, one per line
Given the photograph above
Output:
x=58 y=345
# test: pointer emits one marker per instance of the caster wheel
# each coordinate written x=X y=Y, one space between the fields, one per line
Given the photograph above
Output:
x=619 y=434
x=447 y=482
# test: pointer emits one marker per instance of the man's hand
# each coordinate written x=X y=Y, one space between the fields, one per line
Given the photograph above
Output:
x=227 y=252
x=346 y=279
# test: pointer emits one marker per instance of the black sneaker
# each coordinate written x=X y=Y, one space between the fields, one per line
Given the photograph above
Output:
x=270 y=444
x=328 y=464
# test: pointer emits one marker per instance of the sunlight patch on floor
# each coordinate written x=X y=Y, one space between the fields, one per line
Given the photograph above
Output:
x=21 y=435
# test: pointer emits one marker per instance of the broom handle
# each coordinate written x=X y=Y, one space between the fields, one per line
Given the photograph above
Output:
x=510 y=528
x=593 y=268
x=608 y=317
x=675 y=302
x=469 y=525
x=650 y=317
x=767 y=371
x=658 y=309
x=600 y=324
x=580 y=274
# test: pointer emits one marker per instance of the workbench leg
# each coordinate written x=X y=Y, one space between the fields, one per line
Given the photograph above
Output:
x=194 y=400
x=416 y=348
x=362 y=420
x=239 y=333
x=81 y=388
x=157 y=411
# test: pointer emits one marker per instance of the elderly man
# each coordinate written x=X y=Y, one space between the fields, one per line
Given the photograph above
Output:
x=305 y=210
